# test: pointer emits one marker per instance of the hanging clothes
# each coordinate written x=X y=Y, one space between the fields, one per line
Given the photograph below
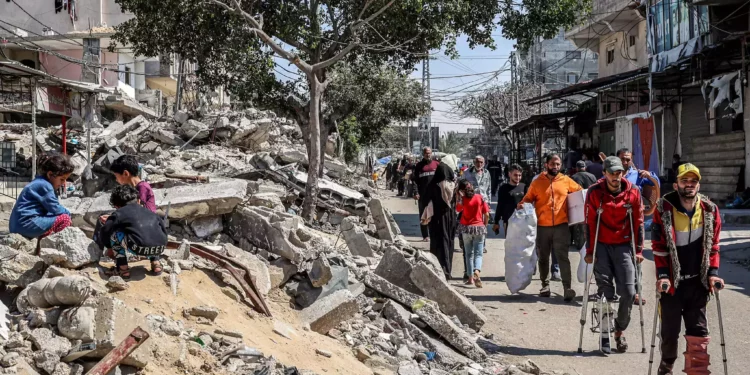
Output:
x=58 y=6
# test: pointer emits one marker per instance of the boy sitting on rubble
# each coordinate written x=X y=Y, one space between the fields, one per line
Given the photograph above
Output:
x=37 y=212
x=132 y=229
x=126 y=171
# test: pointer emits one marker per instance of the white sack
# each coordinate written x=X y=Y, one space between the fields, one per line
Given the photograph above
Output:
x=583 y=268
x=520 y=249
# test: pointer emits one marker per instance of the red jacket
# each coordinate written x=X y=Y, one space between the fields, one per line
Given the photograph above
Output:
x=614 y=226
x=473 y=209
x=683 y=245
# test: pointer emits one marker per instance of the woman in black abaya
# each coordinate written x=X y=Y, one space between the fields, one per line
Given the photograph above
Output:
x=443 y=222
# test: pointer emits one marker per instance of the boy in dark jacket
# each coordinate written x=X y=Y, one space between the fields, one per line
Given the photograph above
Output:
x=132 y=229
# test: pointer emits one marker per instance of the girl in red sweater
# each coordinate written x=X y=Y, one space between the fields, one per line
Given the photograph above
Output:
x=473 y=228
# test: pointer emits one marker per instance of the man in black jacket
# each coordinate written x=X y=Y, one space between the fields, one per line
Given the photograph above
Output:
x=423 y=173
x=583 y=178
x=132 y=229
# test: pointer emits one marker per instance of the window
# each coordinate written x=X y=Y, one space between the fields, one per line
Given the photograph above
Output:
x=127 y=75
x=595 y=56
x=572 y=78
x=631 y=40
x=573 y=54
x=610 y=54
x=593 y=76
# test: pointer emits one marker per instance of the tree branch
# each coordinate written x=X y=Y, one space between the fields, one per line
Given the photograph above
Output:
x=257 y=29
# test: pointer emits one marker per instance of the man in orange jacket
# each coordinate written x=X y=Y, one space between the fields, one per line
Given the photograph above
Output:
x=549 y=194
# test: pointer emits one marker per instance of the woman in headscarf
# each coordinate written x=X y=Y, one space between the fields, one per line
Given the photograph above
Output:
x=443 y=222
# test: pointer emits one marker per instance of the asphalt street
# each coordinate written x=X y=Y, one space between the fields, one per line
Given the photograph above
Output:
x=546 y=330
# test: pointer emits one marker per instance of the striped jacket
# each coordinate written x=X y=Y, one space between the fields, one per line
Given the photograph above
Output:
x=677 y=238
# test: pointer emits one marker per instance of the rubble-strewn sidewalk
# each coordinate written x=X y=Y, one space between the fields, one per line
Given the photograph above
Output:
x=232 y=182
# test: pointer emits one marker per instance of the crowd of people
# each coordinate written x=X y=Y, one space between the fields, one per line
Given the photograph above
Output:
x=685 y=233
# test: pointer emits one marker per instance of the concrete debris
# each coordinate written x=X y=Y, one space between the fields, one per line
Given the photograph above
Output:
x=280 y=271
x=283 y=330
x=328 y=312
x=320 y=272
x=451 y=302
x=116 y=283
x=307 y=294
x=59 y=291
x=44 y=339
x=355 y=237
x=386 y=288
x=207 y=312
x=23 y=270
x=395 y=268
x=207 y=226
x=445 y=327
x=258 y=268
x=78 y=248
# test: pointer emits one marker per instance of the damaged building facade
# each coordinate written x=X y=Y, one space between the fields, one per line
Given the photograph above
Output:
x=671 y=80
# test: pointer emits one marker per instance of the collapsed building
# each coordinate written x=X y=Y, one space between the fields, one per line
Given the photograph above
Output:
x=245 y=278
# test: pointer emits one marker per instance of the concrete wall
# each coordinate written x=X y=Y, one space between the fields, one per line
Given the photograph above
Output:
x=626 y=58
x=110 y=78
x=90 y=12
x=59 y=67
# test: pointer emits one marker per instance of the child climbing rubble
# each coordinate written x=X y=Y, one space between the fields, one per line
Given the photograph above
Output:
x=38 y=212
x=132 y=229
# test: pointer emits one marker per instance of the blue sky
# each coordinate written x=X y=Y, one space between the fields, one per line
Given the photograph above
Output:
x=470 y=62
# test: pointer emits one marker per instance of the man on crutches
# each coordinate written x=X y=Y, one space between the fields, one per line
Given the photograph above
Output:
x=685 y=239
x=619 y=242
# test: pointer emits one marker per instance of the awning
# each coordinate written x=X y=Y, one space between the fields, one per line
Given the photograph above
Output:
x=546 y=120
x=14 y=68
x=593 y=85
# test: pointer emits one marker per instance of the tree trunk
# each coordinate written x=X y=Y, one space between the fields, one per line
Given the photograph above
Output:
x=325 y=131
x=311 y=189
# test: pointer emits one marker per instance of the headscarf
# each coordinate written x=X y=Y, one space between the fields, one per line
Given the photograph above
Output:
x=440 y=189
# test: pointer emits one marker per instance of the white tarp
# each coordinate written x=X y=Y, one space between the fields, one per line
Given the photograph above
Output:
x=520 y=249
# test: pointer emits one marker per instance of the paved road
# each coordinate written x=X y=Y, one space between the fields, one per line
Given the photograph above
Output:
x=546 y=329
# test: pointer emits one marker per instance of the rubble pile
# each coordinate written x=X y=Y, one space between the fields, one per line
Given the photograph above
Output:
x=232 y=183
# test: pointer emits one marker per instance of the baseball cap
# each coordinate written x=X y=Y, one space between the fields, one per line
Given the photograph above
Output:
x=613 y=164
x=580 y=164
x=688 y=168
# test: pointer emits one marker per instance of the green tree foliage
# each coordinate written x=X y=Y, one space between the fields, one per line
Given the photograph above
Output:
x=349 y=135
x=526 y=20
x=451 y=143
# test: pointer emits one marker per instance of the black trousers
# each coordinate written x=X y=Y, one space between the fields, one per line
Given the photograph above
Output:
x=554 y=239
x=688 y=304
x=423 y=228
x=442 y=234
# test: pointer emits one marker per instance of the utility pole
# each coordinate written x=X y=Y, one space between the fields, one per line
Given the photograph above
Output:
x=178 y=97
x=426 y=120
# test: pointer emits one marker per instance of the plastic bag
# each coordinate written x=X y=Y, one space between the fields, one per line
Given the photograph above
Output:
x=520 y=249
x=583 y=267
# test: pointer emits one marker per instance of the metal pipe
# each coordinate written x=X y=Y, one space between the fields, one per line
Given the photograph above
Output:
x=64 y=135
x=33 y=129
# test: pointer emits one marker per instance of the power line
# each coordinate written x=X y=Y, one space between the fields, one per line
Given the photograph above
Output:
x=41 y=23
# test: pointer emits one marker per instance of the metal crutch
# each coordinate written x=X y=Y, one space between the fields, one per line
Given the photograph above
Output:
x=664 y=289
x=637 y=279
x=584 y=308
x=717 y=288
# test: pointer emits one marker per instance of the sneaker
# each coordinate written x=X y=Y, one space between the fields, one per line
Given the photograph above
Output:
x=545 y=292
x=622 y=344
x=469 y=281
x=477 y=280
x=569 y=295
x=556 y=276
x=664 y=369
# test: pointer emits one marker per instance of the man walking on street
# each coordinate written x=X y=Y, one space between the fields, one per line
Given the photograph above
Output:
x=480 y=178
x=638 y=178
x=615 y=195
x=685 y=239
x=508 y=196
x=583 y=178
x=549 y=194
x=423 y=173
x=495 y=168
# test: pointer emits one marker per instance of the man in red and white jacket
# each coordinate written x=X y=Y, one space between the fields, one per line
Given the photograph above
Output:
x=615 y=195
x=685 y=240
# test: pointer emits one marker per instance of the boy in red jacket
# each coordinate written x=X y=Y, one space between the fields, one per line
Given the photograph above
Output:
x=614 y=259
x=685 y=239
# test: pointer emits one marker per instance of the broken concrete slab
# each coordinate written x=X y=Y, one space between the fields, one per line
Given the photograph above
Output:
x=44 y=339
x=258 y=268
x=386 y=288
x=355 y=237
x=23 y=270
x=278 y=232
x=113 y=323
x=181 y=117
x=58 y=291
x=207 y=226
x=77 y=323
x=268 y=200
x=187 y=201
x=326 y=313
x=195 y=130
x=167 y=137
x=449 y=299
x=118 y=130
x=379 y=215
x=280 y=271
x=208 y=312
x=319 y=272
x=307 y=294
x=78 y=248
x=395 y=268
x=444 y=326
x=396 y=312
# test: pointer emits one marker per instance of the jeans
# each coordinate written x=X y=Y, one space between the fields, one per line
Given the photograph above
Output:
x=473 y=249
